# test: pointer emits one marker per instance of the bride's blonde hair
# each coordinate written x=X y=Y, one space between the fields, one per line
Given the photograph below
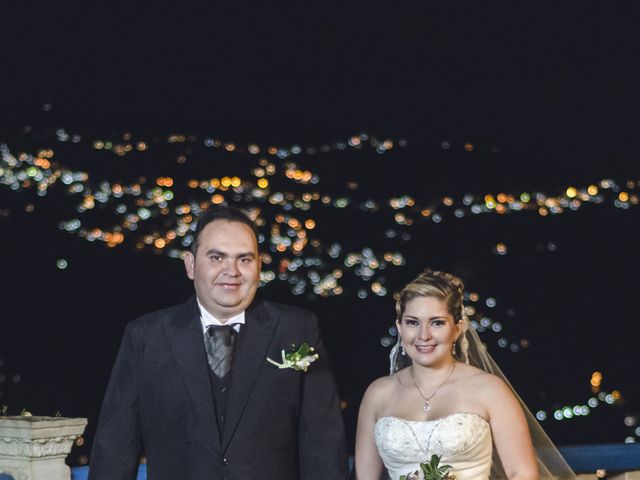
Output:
x=441 y=285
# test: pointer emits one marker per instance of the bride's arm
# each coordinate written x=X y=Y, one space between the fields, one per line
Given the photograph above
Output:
x=510 y=431
x=368 y=464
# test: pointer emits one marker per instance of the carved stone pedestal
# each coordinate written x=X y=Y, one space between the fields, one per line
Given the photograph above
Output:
x=34 y=448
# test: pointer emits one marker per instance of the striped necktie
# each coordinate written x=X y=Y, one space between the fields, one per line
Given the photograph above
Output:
x=219 y=343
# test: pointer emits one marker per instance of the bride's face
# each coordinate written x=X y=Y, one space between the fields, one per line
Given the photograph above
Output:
x=428 y=331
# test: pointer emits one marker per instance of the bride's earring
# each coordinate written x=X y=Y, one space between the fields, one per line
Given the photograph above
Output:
x=453 y=349
x=402 y=350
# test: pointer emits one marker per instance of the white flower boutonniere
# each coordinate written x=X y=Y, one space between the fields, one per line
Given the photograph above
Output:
x=298 y=360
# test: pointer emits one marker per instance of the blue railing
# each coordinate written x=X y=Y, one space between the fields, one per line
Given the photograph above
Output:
x=582 y=459
x=614 y=457
x=82 y=473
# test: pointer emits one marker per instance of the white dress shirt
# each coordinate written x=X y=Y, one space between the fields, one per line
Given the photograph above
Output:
x=207 y=319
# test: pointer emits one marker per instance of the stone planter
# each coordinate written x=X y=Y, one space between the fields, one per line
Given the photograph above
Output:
x=34 y=448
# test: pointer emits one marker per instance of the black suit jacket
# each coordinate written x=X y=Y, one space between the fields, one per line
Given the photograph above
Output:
x=280 y=424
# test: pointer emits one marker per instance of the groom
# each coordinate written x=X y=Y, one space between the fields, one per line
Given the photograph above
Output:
x=191 y=387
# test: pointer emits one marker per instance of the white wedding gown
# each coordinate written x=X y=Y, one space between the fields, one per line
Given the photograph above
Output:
x=462 y=440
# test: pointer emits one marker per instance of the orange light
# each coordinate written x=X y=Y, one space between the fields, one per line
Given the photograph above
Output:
x=42 y=162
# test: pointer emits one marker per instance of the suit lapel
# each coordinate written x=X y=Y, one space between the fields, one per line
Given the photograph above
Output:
x=185 y=337
x=249 y=358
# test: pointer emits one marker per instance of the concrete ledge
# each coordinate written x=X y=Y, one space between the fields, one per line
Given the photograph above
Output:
x=34 y=448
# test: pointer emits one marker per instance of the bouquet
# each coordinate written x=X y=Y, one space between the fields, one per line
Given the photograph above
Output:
x=431 y=470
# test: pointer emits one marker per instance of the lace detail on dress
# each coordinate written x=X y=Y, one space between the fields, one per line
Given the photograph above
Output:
x=462 y=440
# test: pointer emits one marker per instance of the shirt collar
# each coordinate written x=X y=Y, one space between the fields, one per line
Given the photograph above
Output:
x=207 y=319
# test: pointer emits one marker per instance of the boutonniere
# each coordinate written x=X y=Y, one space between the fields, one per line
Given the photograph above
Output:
x=298 y=360
x=431 y=471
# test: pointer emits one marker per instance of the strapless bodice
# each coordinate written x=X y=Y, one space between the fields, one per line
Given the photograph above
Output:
x=462 y=440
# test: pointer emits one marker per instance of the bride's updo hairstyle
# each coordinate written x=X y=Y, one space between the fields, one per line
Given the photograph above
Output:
x=441 y=285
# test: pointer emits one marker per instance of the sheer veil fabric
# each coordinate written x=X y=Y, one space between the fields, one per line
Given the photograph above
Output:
x=472 y=351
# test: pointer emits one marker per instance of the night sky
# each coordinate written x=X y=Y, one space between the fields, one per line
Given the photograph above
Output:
x=546 y=95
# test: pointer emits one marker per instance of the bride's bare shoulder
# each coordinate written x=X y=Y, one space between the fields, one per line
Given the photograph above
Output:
x=482 y=382
x=381 y=393
x=386 y=386
x=469 y=371
x=382 y=384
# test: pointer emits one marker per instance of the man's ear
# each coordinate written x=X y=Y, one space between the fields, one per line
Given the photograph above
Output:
x=189 y=264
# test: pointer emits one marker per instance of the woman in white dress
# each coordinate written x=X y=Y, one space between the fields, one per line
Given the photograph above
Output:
x=443 y=405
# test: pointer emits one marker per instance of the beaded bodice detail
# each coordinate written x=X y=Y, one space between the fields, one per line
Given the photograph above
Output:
x=462 y=440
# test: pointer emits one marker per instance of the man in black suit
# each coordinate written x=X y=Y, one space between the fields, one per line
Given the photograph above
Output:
x=193 y=390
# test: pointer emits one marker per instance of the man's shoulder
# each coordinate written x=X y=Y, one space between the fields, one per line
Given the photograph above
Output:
x=283 y=310
x=157 y=318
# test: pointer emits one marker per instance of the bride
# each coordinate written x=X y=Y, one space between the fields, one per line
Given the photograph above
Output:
x=442 y=404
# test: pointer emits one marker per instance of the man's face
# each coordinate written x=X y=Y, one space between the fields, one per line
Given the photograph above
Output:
x=225 y=269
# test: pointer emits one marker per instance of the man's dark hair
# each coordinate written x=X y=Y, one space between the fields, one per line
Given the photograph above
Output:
x=221 y=212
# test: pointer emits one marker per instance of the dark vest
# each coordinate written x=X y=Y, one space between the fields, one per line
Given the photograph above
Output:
x=220 y=391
